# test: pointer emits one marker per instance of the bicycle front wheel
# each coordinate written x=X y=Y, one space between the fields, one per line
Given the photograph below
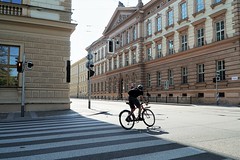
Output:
x=148 y=117
x=126 y=121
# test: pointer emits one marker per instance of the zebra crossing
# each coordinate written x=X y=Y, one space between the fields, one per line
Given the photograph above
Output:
x=82 y=138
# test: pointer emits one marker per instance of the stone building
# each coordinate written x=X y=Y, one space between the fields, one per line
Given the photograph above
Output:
x=175 y=48
x=41 y=30
x=79 y=83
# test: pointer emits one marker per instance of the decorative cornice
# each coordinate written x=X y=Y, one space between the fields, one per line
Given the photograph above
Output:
x=216 y=14
x=198 y=21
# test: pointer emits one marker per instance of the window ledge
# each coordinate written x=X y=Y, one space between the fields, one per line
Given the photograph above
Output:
x=158 y=32
x=170 y=26
x=182 y=20
x=197 y=13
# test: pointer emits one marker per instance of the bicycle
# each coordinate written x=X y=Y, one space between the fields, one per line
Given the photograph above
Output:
x=127 y=121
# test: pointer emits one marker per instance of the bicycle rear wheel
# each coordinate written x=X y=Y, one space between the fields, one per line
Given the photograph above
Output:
x=126 y=122
x=148 y=117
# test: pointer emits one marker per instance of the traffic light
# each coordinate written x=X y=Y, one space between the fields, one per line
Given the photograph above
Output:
x=110 y=46
x=90 y=73
x=19 y=67
x=218 y=76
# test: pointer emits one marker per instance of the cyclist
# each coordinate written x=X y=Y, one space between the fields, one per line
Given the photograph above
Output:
x=134 y=93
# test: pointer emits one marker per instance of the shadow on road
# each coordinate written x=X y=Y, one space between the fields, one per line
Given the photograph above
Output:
x=155 y=130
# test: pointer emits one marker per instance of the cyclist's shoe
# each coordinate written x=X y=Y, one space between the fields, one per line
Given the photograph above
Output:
x=139 y=118
x=128 y=119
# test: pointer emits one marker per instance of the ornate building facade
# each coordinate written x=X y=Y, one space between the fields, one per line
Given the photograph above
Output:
x=41 y=31
x=175 y=48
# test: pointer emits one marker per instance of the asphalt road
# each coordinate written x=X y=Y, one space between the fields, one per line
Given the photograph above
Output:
x=212 y=128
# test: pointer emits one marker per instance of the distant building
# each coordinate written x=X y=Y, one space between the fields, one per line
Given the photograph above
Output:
x=41 y=30
x=78 y=85
x=175 y=48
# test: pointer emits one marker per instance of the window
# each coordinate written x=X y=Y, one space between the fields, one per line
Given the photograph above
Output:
x=115 y=63
x=184 y=75
x=199 y=5
x=126 y=85
x=133 y=57
x=184 y=94
x=170 y=76
x=200 y=37
x=221 y=94
x=134 y=33
x=220 y=30
x=170 y=46
x=200 y=95
x=221 y=69
x=110 y=65
x=200 y=73
x=102 y=68
x=127 y=37
x=149 y=28
x=184 y=10
x=12 y=1
x=217 y=1
x=184 y=42
x=159 y=50
x=114 y=86
x=170 y=18
x=148 y=80
x=159 y=23
x=159 y=78
x=126 y=59
x=120 y=61
x=149 y=54
x=109 y=86
x=8 y=70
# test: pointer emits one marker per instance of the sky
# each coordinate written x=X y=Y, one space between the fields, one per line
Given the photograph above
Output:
x=92 y=16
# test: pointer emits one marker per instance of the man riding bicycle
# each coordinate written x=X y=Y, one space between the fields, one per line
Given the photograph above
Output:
x=134 y=93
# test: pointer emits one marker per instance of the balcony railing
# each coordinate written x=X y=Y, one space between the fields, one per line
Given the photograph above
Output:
x=8 y=9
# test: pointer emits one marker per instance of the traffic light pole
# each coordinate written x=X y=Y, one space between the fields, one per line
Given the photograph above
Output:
x=89 y=90
x=23 y=87
x=217 y=95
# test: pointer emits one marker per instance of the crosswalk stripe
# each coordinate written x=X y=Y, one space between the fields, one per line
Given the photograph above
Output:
x=59 y=135
x=69 y=143
x=89 y=151
x=43 y=124
x=46 y=130
x=166 y=155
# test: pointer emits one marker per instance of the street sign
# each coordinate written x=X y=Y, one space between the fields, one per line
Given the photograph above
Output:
x=234 y=78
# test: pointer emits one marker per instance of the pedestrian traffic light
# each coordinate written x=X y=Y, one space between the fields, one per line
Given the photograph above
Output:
x=19 y=67
x=90 y=73
x=218 y=74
